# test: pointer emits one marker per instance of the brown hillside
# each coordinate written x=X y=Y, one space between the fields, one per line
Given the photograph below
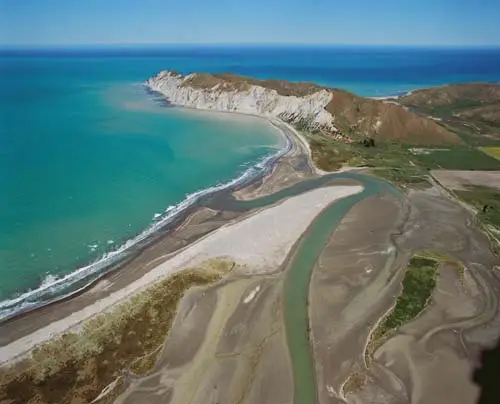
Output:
x=488 y=114
x=453 y=96
x=387 y=121
x=472 y=108
x=354 y=116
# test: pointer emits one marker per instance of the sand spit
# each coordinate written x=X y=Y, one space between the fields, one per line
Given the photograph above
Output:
x=260 y=242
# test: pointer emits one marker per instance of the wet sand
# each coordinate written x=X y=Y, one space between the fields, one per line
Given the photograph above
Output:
x=238 y=353
x=352 y=283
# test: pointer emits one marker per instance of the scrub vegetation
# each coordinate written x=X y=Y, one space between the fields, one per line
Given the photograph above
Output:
x=76 y=367
x=354 y=382
x=418 y=284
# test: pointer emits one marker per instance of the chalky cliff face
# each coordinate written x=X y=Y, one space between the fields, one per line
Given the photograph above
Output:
x=339 y=114
x=207 y=92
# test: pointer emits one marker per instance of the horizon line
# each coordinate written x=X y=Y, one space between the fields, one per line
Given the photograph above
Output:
x=235 y=44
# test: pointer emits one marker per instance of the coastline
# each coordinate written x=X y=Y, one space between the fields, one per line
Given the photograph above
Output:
x=93 y=272
x=295 y=144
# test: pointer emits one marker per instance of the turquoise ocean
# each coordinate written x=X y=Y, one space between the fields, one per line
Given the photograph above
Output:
x=91 y=162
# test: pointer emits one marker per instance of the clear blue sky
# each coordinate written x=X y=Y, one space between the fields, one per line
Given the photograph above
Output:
x=387 y=22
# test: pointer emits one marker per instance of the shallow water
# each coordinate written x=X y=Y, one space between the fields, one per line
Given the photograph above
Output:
x=87 y=164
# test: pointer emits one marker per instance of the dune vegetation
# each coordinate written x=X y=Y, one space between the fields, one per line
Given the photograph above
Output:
x=76 y=366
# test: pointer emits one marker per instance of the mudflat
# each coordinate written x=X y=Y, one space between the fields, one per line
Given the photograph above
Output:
x=432 y=358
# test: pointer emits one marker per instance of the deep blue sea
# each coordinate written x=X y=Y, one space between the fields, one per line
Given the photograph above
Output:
x=90 y=161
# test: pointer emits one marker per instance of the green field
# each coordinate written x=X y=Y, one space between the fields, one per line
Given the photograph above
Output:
x=458 y=158
x=397 y=162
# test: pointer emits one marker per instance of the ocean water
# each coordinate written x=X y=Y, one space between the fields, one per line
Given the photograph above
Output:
x=89 y=160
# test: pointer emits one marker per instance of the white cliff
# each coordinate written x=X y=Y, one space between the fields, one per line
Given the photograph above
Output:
x=308 y=110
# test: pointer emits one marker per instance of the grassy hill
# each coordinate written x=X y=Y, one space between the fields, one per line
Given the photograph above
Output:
x=472 y=109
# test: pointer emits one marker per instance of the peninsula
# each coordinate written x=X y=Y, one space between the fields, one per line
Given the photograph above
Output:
x=306 y=105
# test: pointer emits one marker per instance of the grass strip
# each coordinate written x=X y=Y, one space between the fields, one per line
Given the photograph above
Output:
x=491 y=151
x=418 y=284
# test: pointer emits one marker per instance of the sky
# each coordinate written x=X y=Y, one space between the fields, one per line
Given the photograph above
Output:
x=337 y=22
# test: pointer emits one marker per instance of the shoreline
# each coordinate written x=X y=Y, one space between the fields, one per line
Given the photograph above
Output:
x=99 y=269
x=294 y=143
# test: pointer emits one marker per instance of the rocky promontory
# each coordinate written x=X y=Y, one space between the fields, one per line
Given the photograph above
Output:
x=310 y=107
